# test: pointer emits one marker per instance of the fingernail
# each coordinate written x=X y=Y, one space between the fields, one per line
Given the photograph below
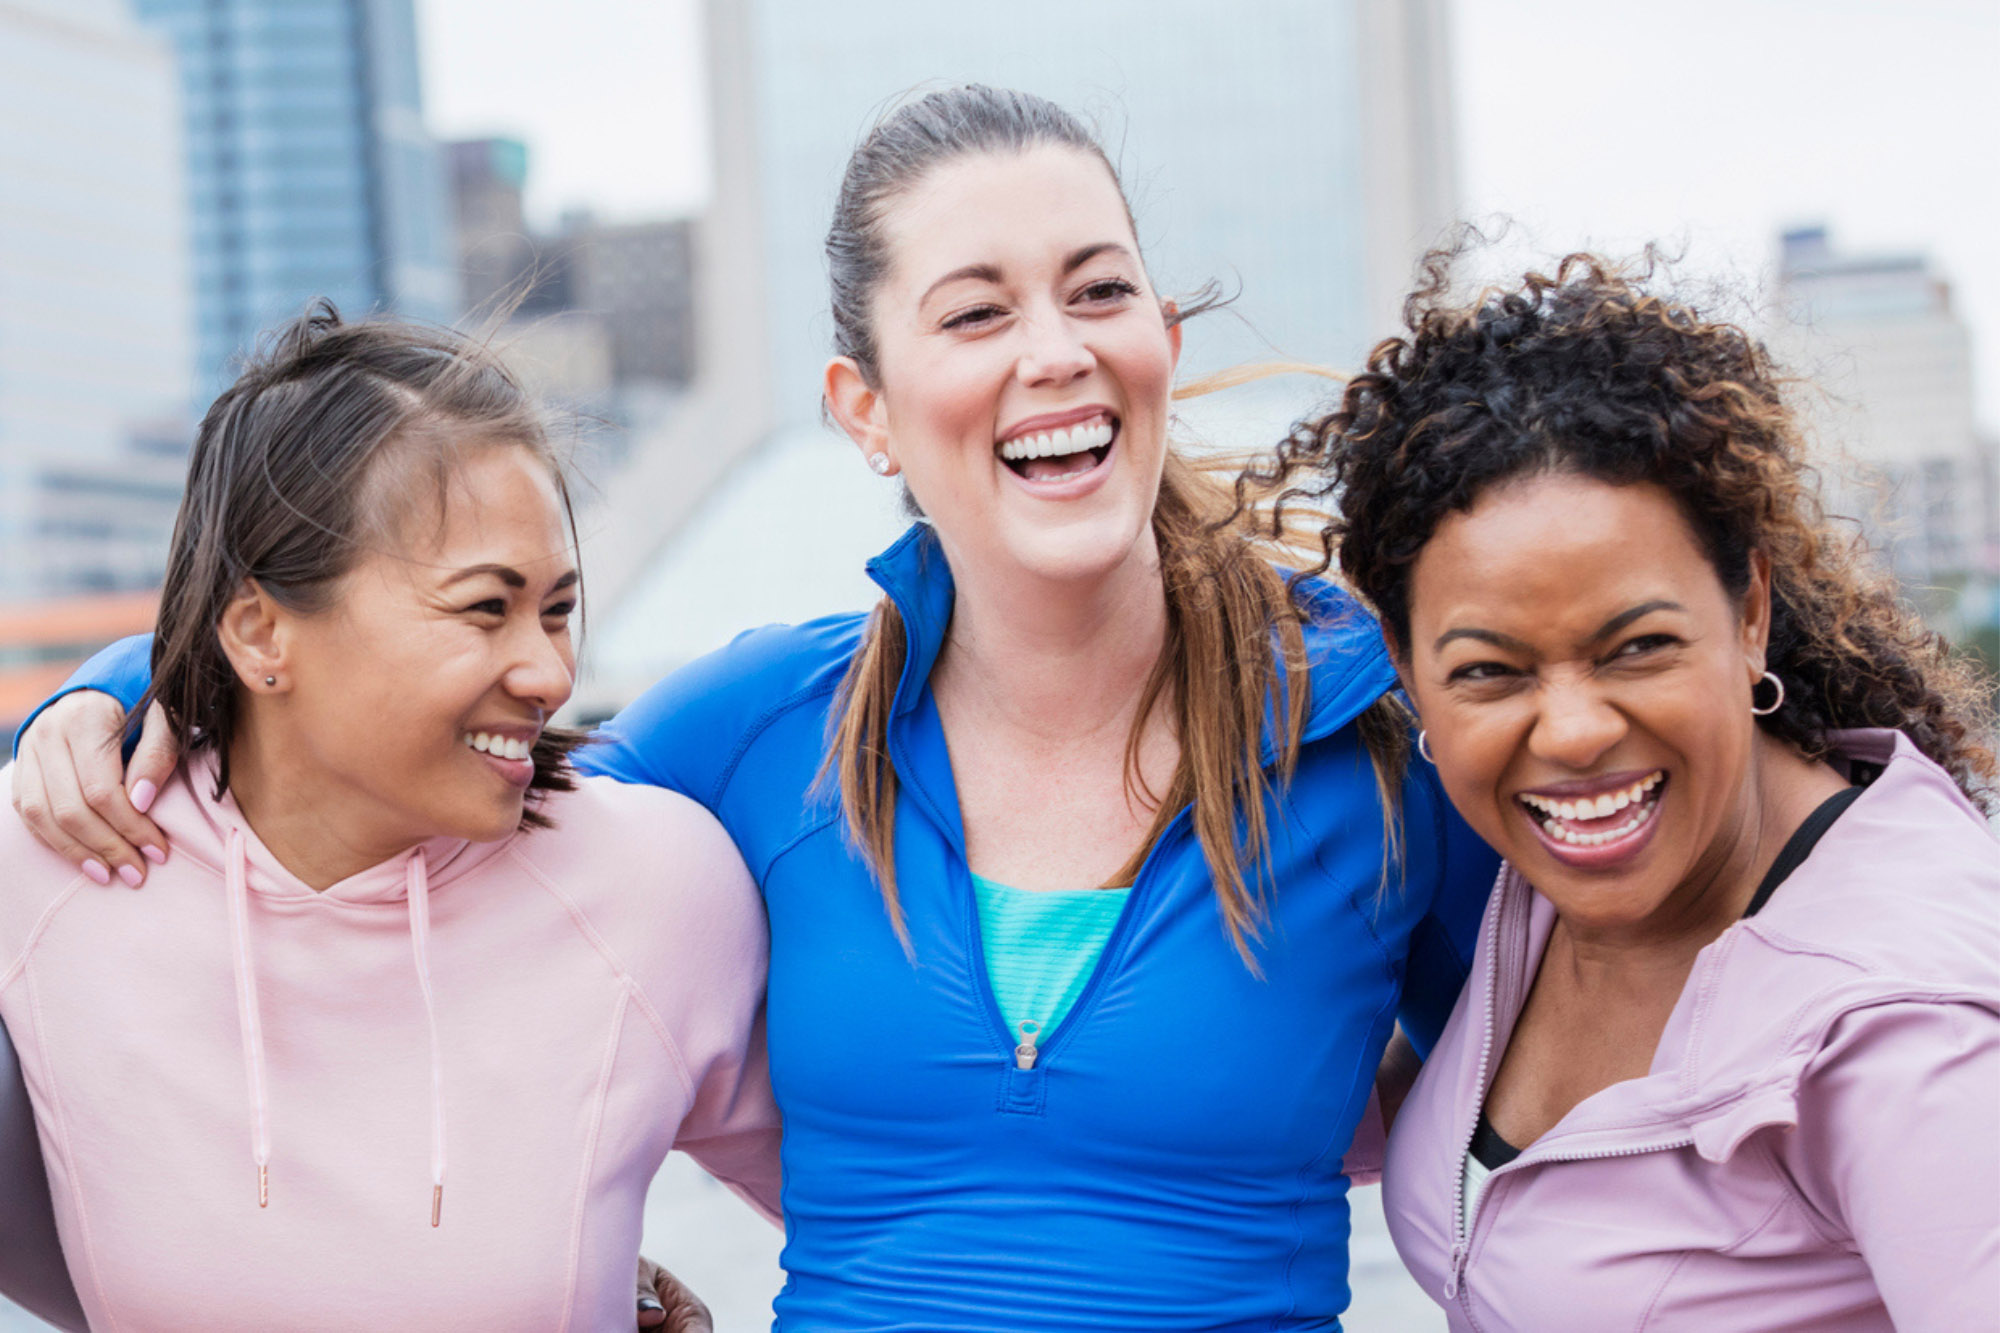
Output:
x=143 y=792
x=154 y=854
x=131 y=875
x=97 y=871
x=647 y=1303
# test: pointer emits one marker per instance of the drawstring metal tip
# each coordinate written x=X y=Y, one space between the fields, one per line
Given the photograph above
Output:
x=263 y=1186
x=437 y=1203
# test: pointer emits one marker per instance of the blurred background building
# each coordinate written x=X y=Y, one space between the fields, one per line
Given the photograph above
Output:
x=96 y=349
x=1891 y=395
x=309 y=169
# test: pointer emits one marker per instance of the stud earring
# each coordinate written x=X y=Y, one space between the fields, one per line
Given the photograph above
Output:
x=270 y=680
x=879 y=464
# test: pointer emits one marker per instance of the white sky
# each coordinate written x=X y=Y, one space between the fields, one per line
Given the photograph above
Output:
x=1708 y=124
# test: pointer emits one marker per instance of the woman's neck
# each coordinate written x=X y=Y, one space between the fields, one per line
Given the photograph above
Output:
x=1062 y=660
x=318 y=830
x=1782 y=788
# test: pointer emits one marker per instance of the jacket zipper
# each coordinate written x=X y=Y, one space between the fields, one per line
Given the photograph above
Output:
x=1030 y=1047
x=1461 y=1232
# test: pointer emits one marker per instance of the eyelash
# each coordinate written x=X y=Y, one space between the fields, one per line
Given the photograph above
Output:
x=1101 y=291
x=1479 y=673
x=495 y=606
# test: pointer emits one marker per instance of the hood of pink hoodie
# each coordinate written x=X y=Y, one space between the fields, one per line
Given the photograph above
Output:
x=211 y=830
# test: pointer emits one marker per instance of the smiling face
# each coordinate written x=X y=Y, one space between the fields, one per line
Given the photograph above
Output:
x=409 y=703
x=1025 y=364
x=1585 y=682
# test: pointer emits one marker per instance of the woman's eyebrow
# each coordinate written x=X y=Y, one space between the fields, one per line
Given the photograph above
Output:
x=976 y=272
x=1624 y=618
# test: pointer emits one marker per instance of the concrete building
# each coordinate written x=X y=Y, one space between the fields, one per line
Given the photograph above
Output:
x=1302 y=154
x=1891 y=362
x=310 y=173
x=96 y=321
x=633 y=281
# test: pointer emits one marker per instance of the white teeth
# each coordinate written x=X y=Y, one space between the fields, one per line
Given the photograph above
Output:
x=1056 y=443
x=501 y=747
x=1597 y=807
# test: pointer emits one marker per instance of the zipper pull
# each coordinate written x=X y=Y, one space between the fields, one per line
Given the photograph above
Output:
x=1451 y=1276
x=1024 y=1054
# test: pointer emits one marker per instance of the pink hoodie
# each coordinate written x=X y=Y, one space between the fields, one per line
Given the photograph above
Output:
x=457 y=1071
x=1817 y=1145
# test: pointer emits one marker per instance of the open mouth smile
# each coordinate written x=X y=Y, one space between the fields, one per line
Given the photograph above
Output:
x=1600 y=826
x=1062 y=453
x=510 y=753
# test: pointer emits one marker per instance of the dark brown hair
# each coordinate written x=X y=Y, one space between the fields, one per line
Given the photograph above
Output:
x=1234 y=653
x=310 y=459
x=1590 y=372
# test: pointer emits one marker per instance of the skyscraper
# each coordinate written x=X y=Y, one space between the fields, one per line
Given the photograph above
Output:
x=310 y=173
x=95 y=320
x=1891 y=362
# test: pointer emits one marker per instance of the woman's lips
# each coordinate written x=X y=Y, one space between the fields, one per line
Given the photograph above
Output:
x=1569 y=826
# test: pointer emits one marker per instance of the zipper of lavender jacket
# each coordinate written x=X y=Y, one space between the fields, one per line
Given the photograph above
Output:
x=1460 y=1232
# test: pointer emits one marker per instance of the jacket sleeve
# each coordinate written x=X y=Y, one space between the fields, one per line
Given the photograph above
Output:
x=32 y=1271
x=123 y=671
x=1455 y=870
x=1898 y=1148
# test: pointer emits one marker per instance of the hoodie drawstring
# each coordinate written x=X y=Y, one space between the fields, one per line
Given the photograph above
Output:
x=420 y=944
x=236 y=881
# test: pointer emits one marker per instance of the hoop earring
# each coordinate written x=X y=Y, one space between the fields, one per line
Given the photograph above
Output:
x=1424 y=748
x=879 y=464
x=1776 y=703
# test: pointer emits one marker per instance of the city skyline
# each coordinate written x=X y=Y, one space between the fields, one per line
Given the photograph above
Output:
x=1653 y=131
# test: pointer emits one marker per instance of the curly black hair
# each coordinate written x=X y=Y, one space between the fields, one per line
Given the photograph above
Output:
x=1589 y=372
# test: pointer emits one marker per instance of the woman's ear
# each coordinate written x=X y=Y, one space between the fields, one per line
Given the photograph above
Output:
x=1756 y=626
x=858 y=409
x=252 y=630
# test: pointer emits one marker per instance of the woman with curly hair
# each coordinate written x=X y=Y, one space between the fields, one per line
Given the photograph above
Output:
x=1729 y=1051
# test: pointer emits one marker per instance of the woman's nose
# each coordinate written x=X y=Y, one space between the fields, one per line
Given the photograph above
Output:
x=1576 y=725
x=544 y=673
x=1054 y=354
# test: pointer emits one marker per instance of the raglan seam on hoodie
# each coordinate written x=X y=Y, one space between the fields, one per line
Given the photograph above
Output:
x=633 y=991
x=759 y=726
x=797 y=840
x=74 y=1185
x=36 y=931
x=587 y=1174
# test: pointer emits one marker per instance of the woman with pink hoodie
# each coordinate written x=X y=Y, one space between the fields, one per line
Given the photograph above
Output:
x=1729 y=1056
x=402 y=1035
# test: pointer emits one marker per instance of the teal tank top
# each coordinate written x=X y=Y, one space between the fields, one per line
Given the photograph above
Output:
x=1041 y=946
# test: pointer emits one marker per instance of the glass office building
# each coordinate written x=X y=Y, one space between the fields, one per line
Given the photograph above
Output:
x=310 y=173
x=96 y=352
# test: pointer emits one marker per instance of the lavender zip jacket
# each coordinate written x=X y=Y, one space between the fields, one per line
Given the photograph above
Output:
x=1817 y=1144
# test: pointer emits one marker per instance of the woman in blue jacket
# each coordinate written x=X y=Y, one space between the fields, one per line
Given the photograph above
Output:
x=1088 y=927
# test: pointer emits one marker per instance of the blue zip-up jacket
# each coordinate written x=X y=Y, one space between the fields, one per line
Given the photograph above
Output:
x=1173 y=1158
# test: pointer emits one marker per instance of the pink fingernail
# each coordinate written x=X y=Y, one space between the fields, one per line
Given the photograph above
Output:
x=154 y=854
x=143 y=792
x=130 y=874
x=97 y=871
